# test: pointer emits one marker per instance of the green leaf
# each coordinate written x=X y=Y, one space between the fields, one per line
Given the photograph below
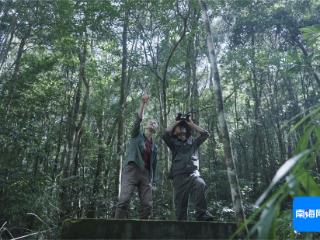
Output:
x=314 y=111
x=266 y=225
x=283 y=171
x=307 y=181
x=266 y=220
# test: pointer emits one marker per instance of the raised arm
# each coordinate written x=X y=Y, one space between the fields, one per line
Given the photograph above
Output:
x=144 y=101
x=136 y=125
x=204 y=134
x=167 y=136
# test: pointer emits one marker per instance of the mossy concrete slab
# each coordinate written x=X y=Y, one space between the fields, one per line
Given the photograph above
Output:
x=138 y=229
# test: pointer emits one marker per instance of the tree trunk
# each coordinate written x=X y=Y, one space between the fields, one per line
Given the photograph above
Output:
x=6 y=44
x=191 y=69
x=257 y=140
x=75 y=124
x=222 y=125
x=307 y=60
x=122 y=101
x=96 y=181
x=12 y=85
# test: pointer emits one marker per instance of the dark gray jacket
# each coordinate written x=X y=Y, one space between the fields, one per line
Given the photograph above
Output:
x=184 y=154
x=136 y=147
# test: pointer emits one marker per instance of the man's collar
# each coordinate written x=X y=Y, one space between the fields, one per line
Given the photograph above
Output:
x=147 y=138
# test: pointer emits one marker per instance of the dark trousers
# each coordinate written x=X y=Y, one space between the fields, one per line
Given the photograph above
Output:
x=185 y=186
x=133 y=177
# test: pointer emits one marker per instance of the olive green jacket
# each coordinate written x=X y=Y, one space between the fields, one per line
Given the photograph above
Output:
x=136 y=147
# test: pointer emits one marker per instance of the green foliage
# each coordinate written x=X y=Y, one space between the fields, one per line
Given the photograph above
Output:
x=312 y=33
x=300 y=180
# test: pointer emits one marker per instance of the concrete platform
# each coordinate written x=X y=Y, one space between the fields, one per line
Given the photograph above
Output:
x=138 y=229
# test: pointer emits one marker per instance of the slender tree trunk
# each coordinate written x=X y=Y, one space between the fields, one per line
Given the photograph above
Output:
x=75 y=123
x=122 y=101
x=96 y=181
x=257 y=140
x=5 y=48
x=307 y=60
x=191 y=70
x=222 y=125
x=79 y=127
x=12 y=85
x=188 y=76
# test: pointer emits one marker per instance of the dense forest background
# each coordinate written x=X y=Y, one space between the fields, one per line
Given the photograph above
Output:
x=72 y=73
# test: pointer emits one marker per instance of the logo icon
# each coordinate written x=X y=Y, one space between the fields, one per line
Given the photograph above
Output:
x=306 y=214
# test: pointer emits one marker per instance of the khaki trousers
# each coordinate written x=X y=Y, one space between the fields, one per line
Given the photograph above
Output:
x=133 y=177
x=189 y=186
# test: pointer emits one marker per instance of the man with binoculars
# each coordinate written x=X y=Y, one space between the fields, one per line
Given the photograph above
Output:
x=184 y=171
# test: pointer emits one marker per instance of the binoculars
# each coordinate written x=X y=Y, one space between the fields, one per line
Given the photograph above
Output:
x=183 y=117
